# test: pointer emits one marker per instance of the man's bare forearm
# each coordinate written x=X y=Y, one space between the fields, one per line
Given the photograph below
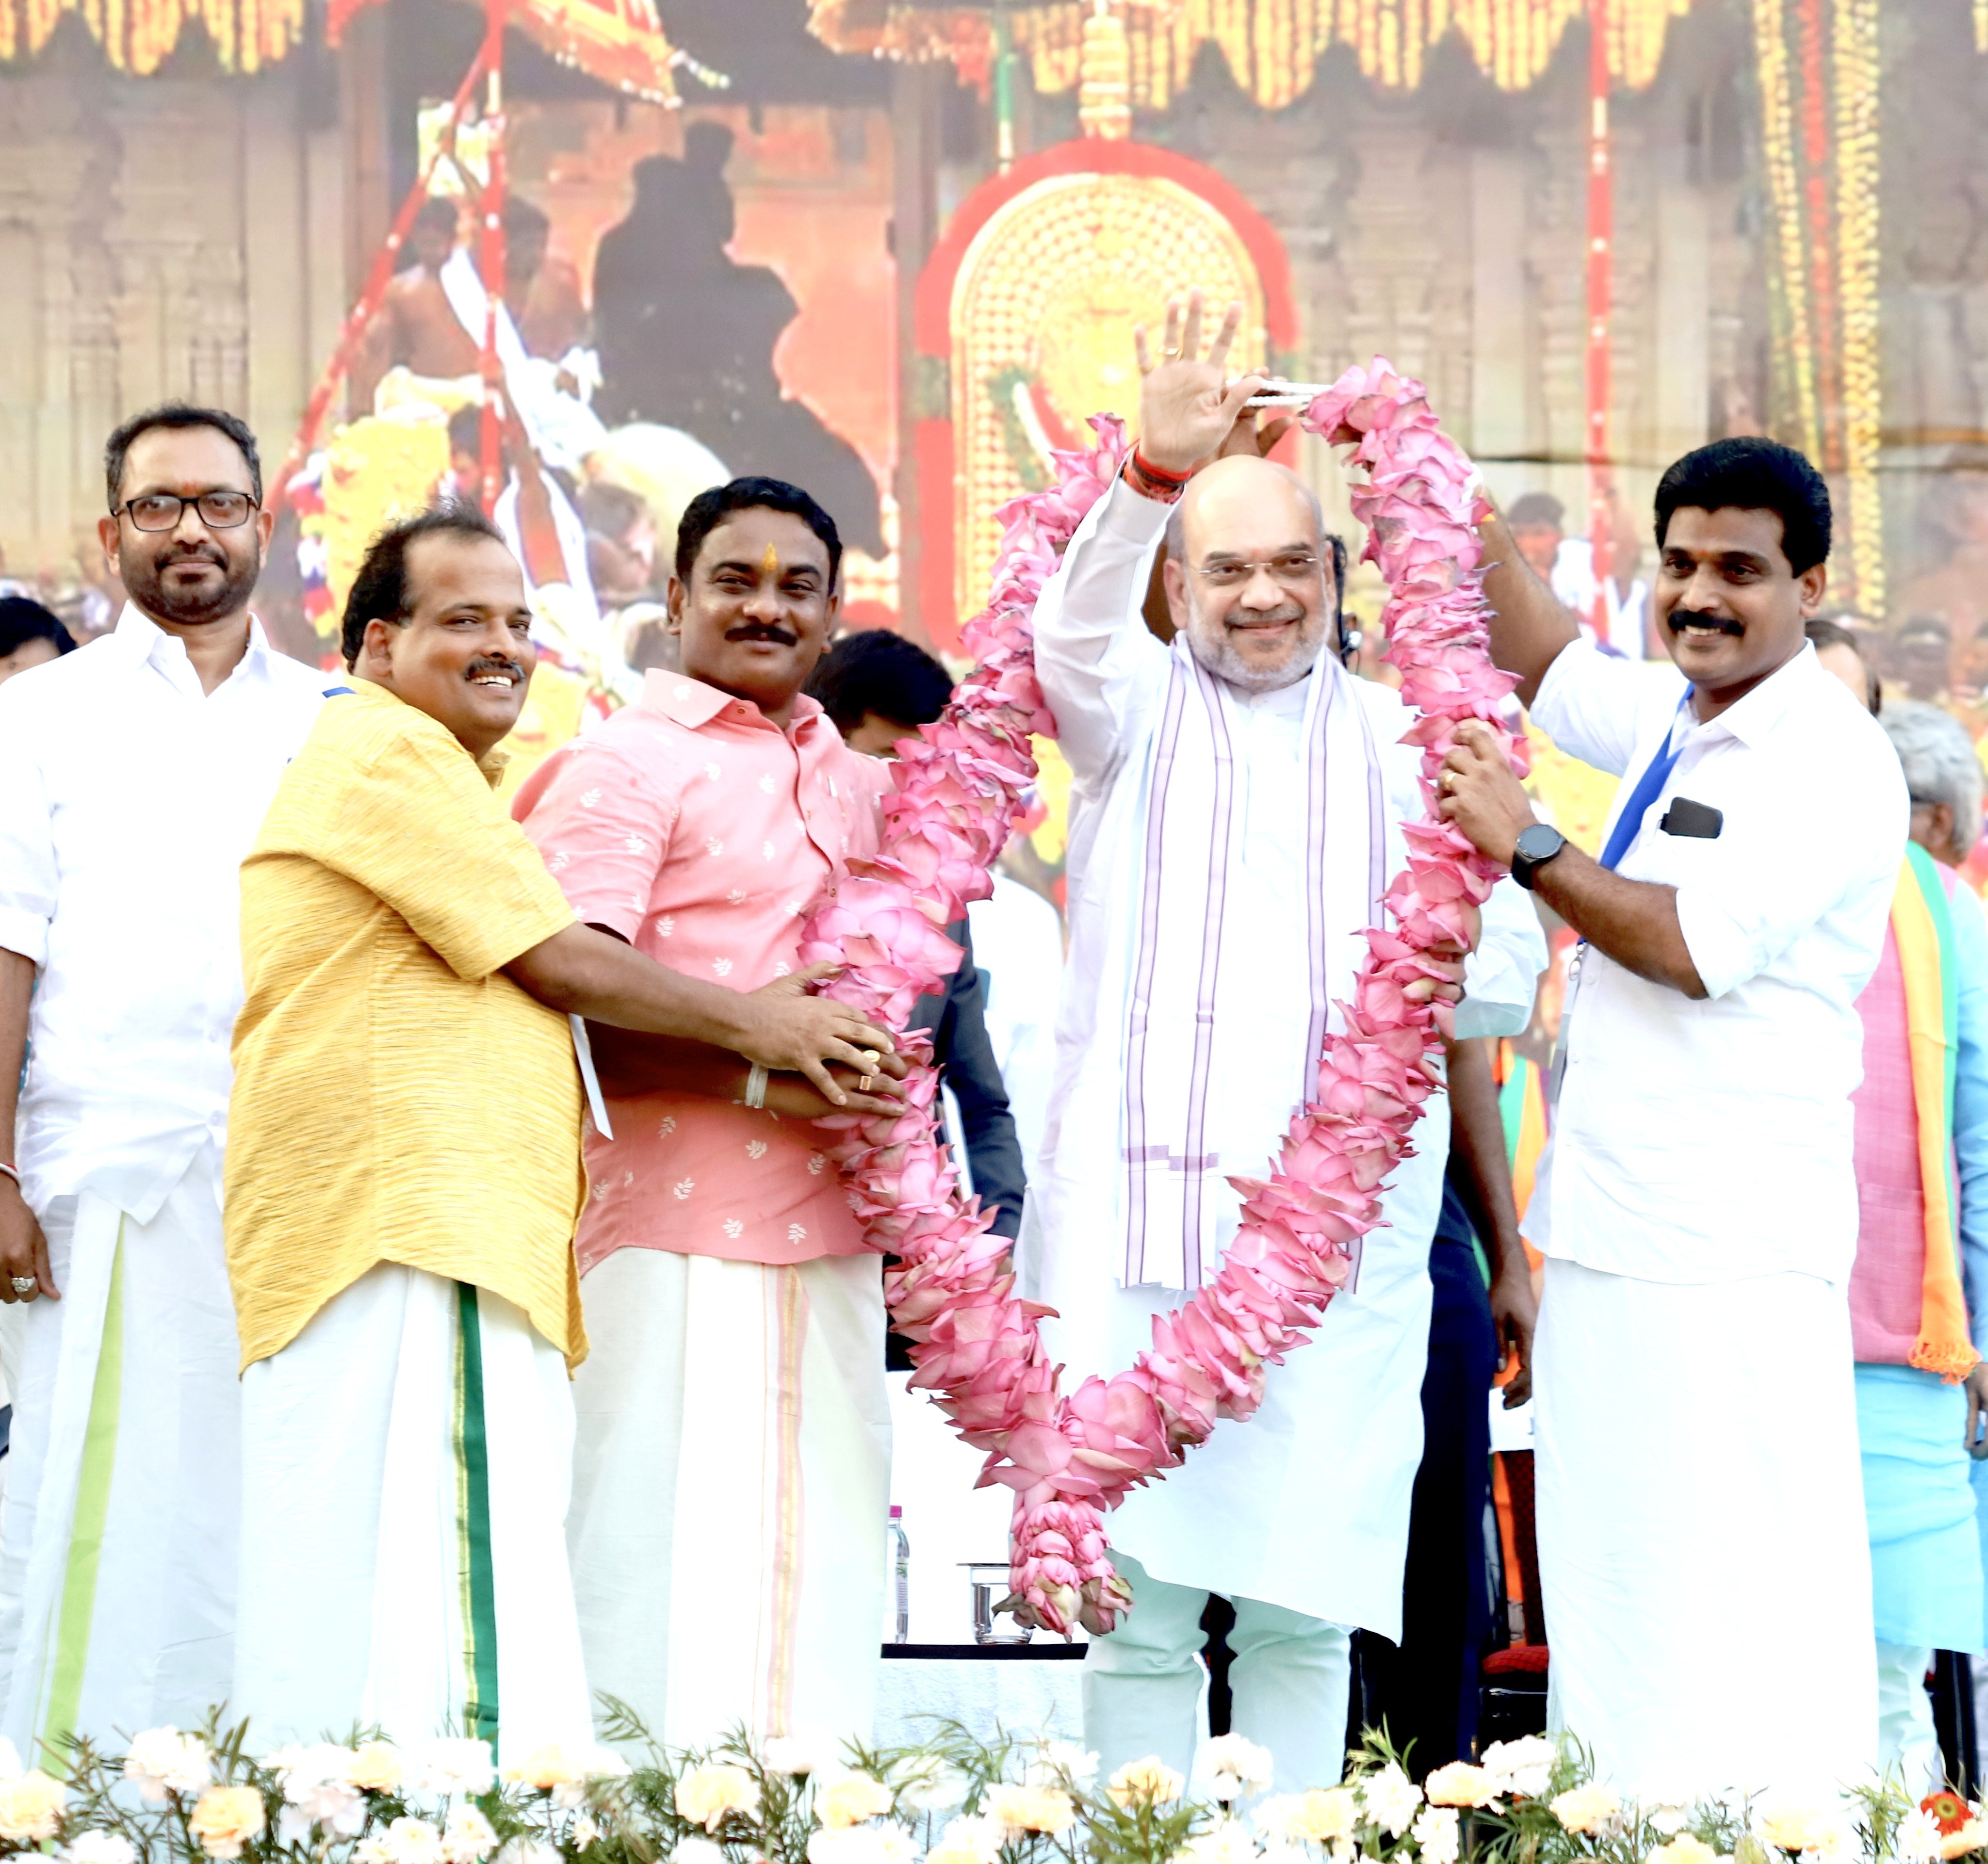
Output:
x=1636 y=922
x=1530 y=624
x=631 y=1064
x=587 y=973
x=17 y=985
x=1478 y=1133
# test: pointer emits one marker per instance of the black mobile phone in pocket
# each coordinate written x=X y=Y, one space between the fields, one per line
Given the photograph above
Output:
x=1685 y=817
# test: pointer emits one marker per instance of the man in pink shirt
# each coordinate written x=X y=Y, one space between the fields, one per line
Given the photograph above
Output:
x=732 y=1462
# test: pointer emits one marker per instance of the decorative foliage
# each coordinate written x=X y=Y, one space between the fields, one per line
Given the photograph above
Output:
x=139 y=35
x=1818 y=65
x=977 y=1348
x=1271 y=46
x=197 y=1798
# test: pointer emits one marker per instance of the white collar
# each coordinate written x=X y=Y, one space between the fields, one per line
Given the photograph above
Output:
x=146 y=641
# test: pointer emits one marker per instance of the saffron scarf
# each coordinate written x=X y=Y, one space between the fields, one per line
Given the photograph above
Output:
x=1922 y=926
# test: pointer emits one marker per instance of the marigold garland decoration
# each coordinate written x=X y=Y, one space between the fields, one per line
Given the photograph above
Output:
x=139 y=35
x=955 y=794
x=1819 y=71
x=1271 y=46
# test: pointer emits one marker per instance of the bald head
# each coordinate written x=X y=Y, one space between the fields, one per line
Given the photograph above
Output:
x=1248 y=574
x=1229 y=489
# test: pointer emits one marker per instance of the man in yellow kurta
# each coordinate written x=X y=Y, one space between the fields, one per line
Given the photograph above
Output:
x=405 y=1177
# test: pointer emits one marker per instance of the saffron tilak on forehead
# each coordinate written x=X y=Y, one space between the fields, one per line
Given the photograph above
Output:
x=770 y=563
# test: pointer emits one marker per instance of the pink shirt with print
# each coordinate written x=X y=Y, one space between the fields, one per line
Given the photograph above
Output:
x=702 y=833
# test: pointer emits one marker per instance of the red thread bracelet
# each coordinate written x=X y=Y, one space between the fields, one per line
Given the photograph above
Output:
x=1147 y=470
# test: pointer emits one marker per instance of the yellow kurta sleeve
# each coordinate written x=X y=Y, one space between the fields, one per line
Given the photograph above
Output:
x=418 y=826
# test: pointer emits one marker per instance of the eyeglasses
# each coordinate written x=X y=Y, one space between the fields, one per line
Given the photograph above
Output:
x=163 y=511
x=1293 y=568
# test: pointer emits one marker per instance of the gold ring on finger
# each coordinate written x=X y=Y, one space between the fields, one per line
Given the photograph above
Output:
x=863 y=1083
x=1172 y=356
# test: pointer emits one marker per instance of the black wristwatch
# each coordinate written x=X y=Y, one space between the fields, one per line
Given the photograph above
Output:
x=1537 y=846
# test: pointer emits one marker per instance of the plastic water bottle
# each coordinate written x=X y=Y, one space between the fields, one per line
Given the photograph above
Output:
x=898 y=1550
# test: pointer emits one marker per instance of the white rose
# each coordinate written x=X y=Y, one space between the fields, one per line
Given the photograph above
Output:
x=861 y=1844
x=1436 y=1833
x=100 y=1848
x=163 y=1760
x=697 y=1851
x=455 y=1768
x=926 y=1783
x=807 y=1751
x=1390 y=1798
x=317 y=1790
x=1232 y=1766
x=1226 y=1841
x=1056 y=1761
x=1523 y=1767
x=468 y=1838
x=977 y=1839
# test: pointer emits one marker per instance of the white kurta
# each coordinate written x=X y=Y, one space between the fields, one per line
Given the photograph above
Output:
x=128 y=796
x=1306 y=1506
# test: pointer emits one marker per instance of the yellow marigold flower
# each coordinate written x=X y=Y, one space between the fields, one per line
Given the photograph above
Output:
x=1460 y=1783
x=375 y=1767
x=706 y=1794
x=1683 y=1849
x=1047 y=1809
x=224 y=1818
x=1147 y=1782
x=31 y=1807
x=1585 y=1808
x=849 y=1798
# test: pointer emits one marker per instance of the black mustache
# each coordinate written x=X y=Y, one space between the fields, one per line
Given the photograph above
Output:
x=483 y=664
x=1679 y=621
x=761 y=630
x=204 y=553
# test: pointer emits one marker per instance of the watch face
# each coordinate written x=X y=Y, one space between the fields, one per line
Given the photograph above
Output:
x=1540 y=842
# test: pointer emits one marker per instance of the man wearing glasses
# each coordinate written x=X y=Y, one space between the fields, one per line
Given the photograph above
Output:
x=134 y=776
x=1235 y=816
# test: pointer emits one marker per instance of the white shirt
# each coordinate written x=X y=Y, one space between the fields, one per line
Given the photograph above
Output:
x=128 y=797
x=1698 y=1142
x=1018 y=948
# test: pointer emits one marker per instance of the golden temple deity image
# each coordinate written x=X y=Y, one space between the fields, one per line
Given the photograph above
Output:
x=1032 y=299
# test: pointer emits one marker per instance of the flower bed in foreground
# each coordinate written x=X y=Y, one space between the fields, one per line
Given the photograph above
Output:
x=187 y=1798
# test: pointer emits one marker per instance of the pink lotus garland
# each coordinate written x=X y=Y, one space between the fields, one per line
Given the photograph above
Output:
x=977 y=1347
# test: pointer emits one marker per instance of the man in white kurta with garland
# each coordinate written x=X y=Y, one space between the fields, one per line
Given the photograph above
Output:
x=1235 y=820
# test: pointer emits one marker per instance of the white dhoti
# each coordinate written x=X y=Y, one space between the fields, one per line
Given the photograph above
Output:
x=1703 y=1558
x=731 y=1489
x=117 y=1540
x=406 y=1464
